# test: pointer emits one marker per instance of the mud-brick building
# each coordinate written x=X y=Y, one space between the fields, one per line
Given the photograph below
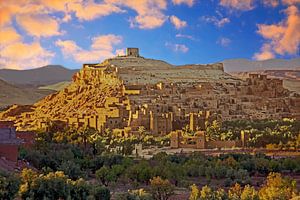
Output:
x=198 y=141
x=9 y=143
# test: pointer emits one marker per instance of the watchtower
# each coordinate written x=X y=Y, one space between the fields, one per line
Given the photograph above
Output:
x=132 y=52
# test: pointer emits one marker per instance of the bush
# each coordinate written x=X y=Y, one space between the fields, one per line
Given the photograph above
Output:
x=101 y=193
x=9 y=185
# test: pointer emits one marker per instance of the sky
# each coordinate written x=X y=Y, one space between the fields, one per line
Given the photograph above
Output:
x=34 y=33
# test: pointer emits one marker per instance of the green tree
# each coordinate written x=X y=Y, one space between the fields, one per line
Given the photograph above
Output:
x=278 y=188
x=234 y=193
x=161 y=189
x=195 y=193
x=9 y=185
x=249 y=193
x=103 y=175
x=101 y=193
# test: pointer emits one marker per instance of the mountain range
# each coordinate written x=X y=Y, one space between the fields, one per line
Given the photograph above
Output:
x=43 y=76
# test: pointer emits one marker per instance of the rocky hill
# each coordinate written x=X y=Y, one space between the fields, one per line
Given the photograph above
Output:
x=46 y=75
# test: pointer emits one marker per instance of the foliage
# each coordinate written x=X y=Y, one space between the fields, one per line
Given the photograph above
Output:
x=56 y=185
x=161 y=189
x=101 y=193
x=279 y=133
x=9 y=185
x=277 y=187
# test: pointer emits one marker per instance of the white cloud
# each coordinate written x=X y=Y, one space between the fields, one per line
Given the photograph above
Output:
x=177 y=47
x=223 y=41
x=178 y=23
x=219 y=22
x=185 y=36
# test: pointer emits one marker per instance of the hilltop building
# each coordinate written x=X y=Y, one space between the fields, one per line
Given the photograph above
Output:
x=132 y=52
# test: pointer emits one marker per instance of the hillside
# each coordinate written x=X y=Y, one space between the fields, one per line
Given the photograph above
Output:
x=56 y=87
x=10 y=94
x=244 y=65
x=46 y=75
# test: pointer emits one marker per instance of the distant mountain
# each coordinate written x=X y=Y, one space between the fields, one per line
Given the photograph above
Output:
x=244 y=65
x=46 y=75
x=10 y=94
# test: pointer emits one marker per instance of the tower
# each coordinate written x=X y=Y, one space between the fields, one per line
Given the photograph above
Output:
x=132 y=52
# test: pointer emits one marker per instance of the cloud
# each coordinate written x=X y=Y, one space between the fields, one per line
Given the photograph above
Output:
x=8 y=35
x=271 y=3
x=90 y=10
x=177 y=47
x=217 y=22
x=265 y=53
x=243 y=5
x=223 y=41
x=190 y=3
x=101 y=48
x=291 y=2
x=282 y=38
x=120 y=52
x=38 y=25
x=21 y=55
x=178 y=23
x=147 y=21
x=149 y=12
x=185 y=36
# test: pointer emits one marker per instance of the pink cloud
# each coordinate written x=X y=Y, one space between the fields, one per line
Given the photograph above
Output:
x=284 y=37
x=238 y=4
x=190 y=3
x=91 y=10
x=291 y=2
x=271 y=3
x=178 y=23
x=8 y=35
x=101 y=48
x=149 y=12
x=21 y=55
x=265 y=53
x=38 y=25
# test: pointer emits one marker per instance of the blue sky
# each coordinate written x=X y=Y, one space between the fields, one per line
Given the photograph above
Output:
x=34 y=33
